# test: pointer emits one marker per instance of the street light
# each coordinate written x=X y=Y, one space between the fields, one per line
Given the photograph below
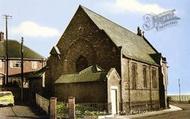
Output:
x=179 y=90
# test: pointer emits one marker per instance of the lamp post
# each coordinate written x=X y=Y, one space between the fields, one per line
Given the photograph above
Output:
x=179 y=90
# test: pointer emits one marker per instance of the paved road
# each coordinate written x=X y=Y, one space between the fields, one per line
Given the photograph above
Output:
x=21 y=112
x=183 y=114
x=26 y=112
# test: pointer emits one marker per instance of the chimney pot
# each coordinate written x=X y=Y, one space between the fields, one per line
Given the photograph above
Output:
x=139 y=31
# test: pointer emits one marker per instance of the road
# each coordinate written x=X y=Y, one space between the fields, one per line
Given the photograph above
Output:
x=26 y=112
x=21 y=112
x=183 y=114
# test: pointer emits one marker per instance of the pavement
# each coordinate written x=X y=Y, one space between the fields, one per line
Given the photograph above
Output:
x=182 y=114
x=21 y=112
x=146 y=114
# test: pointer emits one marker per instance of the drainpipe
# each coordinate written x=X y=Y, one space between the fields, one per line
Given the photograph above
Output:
x=150 y=70
x=121 y=94
x=129 y=85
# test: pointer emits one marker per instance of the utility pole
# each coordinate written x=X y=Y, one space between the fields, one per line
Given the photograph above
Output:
x=6 y=17
x=179 y=90
x=22 y=68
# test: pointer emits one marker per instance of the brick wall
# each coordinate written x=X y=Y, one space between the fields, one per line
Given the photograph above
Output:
x=27 y=67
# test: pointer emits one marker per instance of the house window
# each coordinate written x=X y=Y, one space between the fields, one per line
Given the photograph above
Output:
x=134 y=75
x=145 y=76
x=15 y=64
x=81 y=63
x=1 y=64
x=34 y=65
x=154 y=78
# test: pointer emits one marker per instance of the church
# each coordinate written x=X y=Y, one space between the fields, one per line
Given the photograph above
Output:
x=103 y=64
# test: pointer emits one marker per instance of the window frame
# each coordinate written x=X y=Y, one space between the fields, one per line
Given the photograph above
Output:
x=134 y=75
x=34 y=65
x=154 y=78
x=15 y=64
x=144 y=73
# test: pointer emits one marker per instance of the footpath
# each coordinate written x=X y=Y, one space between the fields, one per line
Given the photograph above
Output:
x=171 y=109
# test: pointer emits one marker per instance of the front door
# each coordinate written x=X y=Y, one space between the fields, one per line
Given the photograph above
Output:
x=114 y=101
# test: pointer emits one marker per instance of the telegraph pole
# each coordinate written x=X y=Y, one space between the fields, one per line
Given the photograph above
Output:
x=6 y=17
x=179 y=90
x=22 y=69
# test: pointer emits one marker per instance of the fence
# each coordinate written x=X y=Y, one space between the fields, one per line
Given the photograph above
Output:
x=177 y=98
x=43 y=103
x=50 y=106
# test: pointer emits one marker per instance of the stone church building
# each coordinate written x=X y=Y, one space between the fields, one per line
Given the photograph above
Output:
x=104 y=64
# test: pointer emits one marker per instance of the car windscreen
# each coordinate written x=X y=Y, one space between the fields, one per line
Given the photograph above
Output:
x=4 y=94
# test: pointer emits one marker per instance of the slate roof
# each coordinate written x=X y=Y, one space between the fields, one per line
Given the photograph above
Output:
x=133 y=46
x=32 y=74
x=90 y=74
x=14 y=50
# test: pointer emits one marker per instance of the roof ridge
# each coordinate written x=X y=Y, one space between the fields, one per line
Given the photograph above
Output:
x=108 y=20
x=137 y=46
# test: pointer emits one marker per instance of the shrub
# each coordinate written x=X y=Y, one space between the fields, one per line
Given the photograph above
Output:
x=62 y=109
x=87 y=111
x=81 y=111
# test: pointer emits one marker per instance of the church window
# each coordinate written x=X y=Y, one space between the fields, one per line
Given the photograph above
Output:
x=134 y=75
x=154 y=78
x=81 y=63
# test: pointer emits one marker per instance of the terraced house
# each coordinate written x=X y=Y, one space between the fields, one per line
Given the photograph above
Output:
x=32 y=61
x=103 y=64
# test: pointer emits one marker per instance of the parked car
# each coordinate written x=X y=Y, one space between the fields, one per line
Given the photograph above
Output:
x=6 y=98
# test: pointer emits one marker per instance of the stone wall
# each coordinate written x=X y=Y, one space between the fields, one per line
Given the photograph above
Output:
x=92 y=92
x=141 y=98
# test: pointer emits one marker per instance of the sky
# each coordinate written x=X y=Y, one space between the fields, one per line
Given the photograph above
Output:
x=42 y=22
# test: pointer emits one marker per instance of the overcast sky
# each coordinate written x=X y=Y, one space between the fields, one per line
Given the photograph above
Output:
x=42 y=22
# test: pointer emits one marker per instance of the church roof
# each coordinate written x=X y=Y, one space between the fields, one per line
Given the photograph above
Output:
x=133 y=46
x=90 y=74
x=14 y=50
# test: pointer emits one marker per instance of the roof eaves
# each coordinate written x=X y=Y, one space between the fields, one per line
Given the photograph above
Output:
x=150 y=44
x=140 y=60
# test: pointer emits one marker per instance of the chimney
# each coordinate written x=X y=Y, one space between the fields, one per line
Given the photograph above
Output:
x=139 y=31
x=142 y=33
x=1 y=36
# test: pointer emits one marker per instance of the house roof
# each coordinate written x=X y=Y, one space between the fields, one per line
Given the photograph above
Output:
x=90 y=74
x=14 y=50
x=32 y=74
x=133 y=46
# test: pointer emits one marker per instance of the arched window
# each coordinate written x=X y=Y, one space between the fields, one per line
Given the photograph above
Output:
x=154 y=78
x=134 y=75
x=81 y=63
